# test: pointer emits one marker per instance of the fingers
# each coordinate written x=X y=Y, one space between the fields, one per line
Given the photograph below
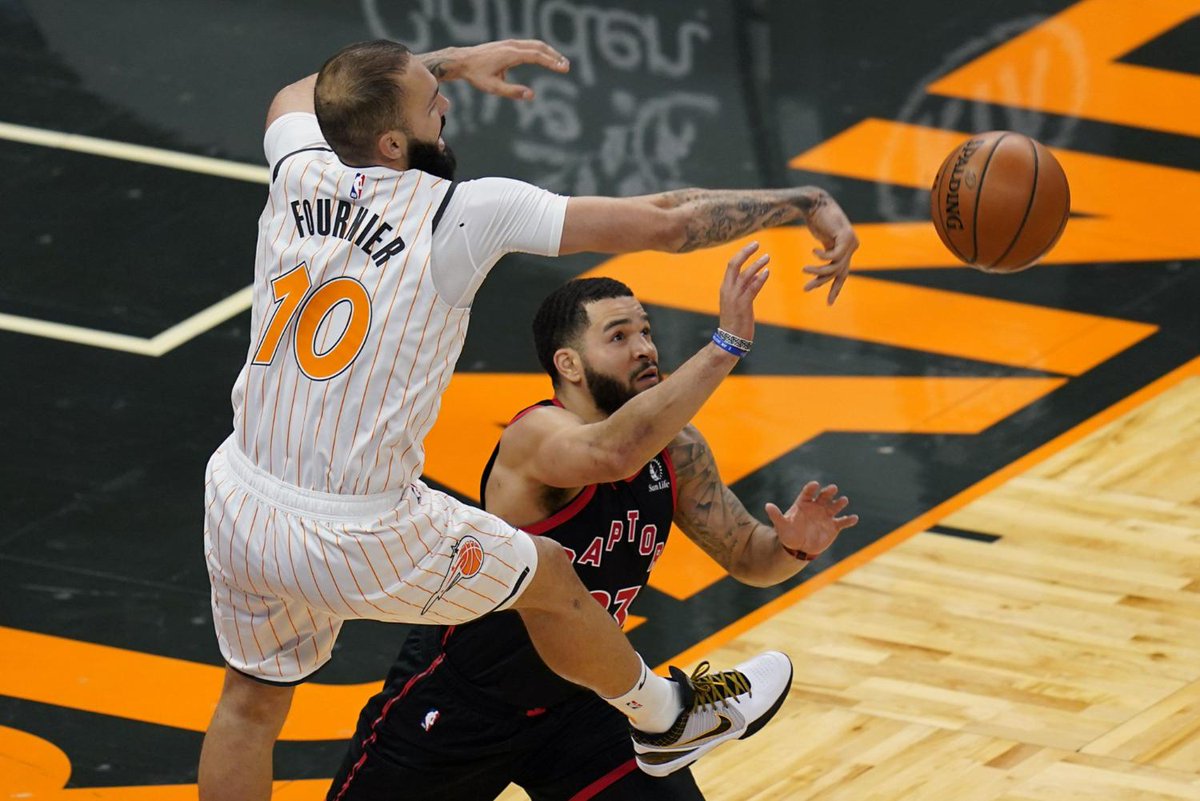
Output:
x=756 y=275
x=738 y=259
x=535 y=51
x=751 y=278
x=846 y=522
x=498 y=86
x=836 y=289
x=486 y=68
x=776 y=517
x=826 y=496
x=838 y=252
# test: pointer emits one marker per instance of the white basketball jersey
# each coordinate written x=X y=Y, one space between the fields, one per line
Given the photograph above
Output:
x=352 y=346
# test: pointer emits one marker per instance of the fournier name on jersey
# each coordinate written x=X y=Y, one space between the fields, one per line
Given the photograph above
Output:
x=335 y=220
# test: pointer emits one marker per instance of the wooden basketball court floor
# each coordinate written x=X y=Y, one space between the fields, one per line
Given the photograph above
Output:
x=1017 y=618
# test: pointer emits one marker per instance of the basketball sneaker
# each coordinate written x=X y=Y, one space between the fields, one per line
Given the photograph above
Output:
x=717 y=707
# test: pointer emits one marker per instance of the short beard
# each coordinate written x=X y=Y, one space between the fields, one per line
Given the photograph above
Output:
x=607 y=393
x=428 y=157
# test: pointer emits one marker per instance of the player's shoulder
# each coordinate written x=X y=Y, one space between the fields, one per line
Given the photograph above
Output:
x=533 y=425
x=687 y=444
x=493 y=192
x=291 y=134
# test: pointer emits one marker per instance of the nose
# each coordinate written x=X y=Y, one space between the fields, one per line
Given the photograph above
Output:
x=445 y=103
x=644 y=350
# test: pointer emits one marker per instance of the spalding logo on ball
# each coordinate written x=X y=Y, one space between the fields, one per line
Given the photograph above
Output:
x=1000 y=201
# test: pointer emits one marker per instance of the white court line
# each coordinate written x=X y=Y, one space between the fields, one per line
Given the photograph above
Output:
x=157 y=345
x=74 y=333
x=198 y=323
x=146 y=155
x=177 y=334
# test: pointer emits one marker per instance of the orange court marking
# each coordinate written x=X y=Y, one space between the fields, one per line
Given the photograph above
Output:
x=834 y=572
x=1098 y=32
x=169 y=692
x=34 y=769
x=874 y=310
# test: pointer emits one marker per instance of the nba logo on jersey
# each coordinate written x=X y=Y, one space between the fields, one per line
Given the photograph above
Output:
x=356 y=186
x=431 y=717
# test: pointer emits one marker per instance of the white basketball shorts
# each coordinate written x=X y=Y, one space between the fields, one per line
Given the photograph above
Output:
x=288 y=565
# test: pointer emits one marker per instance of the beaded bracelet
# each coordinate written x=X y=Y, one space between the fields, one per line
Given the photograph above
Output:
x=735 y=340
x=731 y=343
x=723 y=345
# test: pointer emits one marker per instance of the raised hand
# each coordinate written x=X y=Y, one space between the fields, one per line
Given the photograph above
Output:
x=486 y=66
x=739 y=289
x=812 y=523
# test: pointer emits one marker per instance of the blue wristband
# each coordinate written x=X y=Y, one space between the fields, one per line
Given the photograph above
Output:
x=728 y=346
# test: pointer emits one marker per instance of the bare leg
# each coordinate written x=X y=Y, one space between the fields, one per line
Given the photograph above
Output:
x=575 y=636
x=235 y=761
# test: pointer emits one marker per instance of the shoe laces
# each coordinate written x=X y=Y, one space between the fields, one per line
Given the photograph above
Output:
x=711 y=689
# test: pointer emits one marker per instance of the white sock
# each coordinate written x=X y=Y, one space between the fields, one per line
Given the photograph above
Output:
x=652 y=704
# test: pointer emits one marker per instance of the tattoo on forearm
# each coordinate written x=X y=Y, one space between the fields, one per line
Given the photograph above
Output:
x=437 y=66
x=722 y=215
x=438 y=62
x=707 y=510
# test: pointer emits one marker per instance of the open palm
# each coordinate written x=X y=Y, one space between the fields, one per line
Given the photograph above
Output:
x=813 y=522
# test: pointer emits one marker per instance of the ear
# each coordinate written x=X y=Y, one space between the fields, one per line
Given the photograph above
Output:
x=393 y=145
x=569 y=365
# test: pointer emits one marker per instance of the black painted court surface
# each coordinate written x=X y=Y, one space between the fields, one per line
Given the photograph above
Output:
x=104 y=449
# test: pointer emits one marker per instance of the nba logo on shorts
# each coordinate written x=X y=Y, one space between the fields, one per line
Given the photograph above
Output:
x=356 y=186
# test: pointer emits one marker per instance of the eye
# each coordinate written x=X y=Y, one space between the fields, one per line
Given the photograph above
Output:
x=617 y=337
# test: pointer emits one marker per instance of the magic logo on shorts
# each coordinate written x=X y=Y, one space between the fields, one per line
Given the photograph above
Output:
x=466 y=560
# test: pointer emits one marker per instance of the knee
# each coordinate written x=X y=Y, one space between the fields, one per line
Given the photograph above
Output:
x=253 y=703
x=554 y=581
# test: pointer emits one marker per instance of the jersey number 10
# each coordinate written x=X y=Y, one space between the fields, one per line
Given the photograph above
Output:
x=293 y=300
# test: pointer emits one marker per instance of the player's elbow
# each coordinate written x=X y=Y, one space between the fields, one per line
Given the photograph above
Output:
x=752 y=578
x=616 y=464
x=753 y=574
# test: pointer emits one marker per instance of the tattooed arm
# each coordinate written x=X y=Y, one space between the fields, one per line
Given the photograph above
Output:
x=710 y=515
x=687 y=219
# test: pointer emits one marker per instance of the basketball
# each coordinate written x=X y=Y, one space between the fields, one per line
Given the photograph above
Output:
x=1000 y=201
x=469 y=556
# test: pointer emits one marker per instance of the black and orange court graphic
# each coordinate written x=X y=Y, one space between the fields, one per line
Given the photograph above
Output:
x=130 y=141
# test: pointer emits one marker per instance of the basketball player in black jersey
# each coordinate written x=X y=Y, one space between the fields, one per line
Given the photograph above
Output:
x=468 y=709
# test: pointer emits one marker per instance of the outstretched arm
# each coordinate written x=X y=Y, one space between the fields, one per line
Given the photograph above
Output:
x=483 y=66
x=710 y=515
x=688 y=219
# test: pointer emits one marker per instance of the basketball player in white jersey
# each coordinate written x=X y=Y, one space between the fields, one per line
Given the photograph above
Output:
x=368 y=259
